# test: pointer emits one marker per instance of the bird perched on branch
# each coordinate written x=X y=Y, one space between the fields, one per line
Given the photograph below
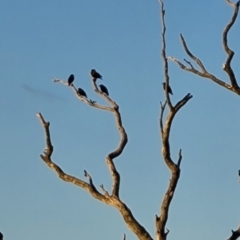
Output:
x=103 y=89
x=95 y=74
x=169 y=90
x=70 y=79
x=81 y=92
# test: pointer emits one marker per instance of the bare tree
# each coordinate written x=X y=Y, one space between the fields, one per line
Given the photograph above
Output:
x=112 y=197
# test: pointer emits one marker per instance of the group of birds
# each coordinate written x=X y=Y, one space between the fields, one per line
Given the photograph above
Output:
x=95 y=75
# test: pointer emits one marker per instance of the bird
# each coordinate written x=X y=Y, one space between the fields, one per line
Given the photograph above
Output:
x=70 y=79
x=81 y=92
x=169 y=90
x=1 y=236
x=103 y=89
x=95 y=74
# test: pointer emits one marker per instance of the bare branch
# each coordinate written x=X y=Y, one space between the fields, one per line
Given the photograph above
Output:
x=227 y=66
x=165 y=60
x=105 y=192
x=122 y=144
x=86 y=174
x=180 y=158
x=235 y=234
x=161 y=220
x=66 y=177
x=114 y=199
x=161 y=115
x=82 y=98
x=197 y=60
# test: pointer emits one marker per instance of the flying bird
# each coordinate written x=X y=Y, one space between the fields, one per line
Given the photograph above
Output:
x=81 y=92
x=70 y=79
x=169 y=90
x=95 y=74
x=103 y=89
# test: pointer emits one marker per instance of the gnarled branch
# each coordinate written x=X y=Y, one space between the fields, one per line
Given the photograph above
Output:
x=113 y=199
x=226 y=66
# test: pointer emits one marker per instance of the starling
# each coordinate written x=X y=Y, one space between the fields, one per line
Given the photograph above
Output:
x=103 y=89
x=169 y=90
x=81 y=92
x=95 y=74
x=70 y=79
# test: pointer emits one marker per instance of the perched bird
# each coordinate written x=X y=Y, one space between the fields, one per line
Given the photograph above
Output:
x=103 y=89
x=95 y=74
x=81 y=92
x=169 y=90
x=70 y=79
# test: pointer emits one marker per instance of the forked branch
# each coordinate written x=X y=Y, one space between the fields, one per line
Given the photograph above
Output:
x=234 y=87
x=113 y=199
x=161 y=220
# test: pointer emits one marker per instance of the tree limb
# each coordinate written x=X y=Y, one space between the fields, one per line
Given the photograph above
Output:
x=66 y=177
x=161 y=220
x=113 y=199
x=226 y=66
x=165 y=61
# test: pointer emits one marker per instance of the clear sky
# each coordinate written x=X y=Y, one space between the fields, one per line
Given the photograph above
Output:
x=121 y=39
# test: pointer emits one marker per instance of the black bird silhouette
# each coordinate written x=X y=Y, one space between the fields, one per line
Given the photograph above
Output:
x=1 y=236
x=70 y=79
x=81 y=92
x=103 y=89
x=95 y=74
x=169 y=90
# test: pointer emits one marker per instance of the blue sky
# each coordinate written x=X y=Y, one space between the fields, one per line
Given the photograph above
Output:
x=41 y=40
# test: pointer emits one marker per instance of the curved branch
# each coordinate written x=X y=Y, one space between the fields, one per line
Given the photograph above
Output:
x=66 y=177
x=123 y=141
x=112 y=199
x=226 y=66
